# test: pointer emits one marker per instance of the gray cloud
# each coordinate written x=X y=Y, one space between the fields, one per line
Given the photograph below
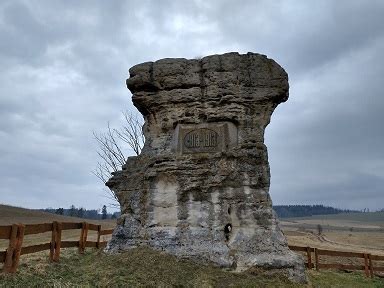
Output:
x=333 y=134
x=64 y=64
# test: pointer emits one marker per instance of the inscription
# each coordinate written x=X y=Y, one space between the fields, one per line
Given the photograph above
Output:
x=200 y=139
x=204 y=138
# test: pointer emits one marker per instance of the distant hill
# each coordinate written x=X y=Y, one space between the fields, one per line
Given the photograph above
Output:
x=289 y=211
x=368 y=218
x=13 y=215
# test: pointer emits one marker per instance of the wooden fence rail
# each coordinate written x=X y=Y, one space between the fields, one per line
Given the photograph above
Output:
x=369 y=268
x=15 y=235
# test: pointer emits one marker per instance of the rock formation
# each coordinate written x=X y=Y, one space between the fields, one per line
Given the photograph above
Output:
x=200 y=187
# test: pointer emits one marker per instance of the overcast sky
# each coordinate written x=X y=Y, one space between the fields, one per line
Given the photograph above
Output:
x=63 y=66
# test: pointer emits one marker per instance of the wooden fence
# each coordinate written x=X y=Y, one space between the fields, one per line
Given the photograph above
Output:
x=15 y=234
x=369 y=265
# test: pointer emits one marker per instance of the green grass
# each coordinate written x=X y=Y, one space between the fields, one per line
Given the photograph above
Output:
x=144 y=267
x=334 y=279
x=138 y=267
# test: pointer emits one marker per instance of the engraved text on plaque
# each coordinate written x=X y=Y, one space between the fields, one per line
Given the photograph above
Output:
x=200 y=139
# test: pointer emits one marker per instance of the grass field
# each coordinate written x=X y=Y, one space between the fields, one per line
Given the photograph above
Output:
x=12 y=215
x=146 y=268
x=361 y=232
x=143 y=267
x=376 y=218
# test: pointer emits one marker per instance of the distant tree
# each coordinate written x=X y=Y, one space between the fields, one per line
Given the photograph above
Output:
x=72 y=211
x=92 y=214
x=104 y=213
x=59 y=211
x=286 y=211
x=319 y=229
x=80 y=212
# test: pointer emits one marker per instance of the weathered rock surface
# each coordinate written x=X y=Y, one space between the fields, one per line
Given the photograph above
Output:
x=200 y=187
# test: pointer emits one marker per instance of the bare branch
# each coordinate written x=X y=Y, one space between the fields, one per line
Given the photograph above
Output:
x=132 y=133
x=110 y=151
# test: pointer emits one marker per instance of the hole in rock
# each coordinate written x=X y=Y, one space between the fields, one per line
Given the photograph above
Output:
x=229 y=210
x=228 y=228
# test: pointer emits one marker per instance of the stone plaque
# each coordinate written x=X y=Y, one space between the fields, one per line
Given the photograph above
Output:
x=205 y=138
x=201 y=139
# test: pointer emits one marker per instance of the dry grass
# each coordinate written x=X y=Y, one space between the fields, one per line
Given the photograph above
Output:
x=339 y=236
x=360 y=232
x=135 y=268
x=347 y=238
x=367 y=242
x=147 y=268
x=11 y=215
x=143 y=267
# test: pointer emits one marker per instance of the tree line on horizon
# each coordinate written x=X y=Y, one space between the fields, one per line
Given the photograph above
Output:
x=80 y=212
x=282 y=211
x=288 y=211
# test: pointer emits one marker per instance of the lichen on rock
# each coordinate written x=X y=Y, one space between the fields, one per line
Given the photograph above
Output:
x=200 y=187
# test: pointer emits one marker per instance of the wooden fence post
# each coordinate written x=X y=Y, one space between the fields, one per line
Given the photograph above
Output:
x=11 y=247
x=53 y=241
x=309 y=257
x=366 y=264
x=317 y=259
x=98 y=236
x=56 y=256
x=19 y=244
x=83 y=237
x=370 y=265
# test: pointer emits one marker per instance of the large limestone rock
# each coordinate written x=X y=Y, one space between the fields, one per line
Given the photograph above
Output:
x=200 y=187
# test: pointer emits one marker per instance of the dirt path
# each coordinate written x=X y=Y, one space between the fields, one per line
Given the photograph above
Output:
x=312 y=239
